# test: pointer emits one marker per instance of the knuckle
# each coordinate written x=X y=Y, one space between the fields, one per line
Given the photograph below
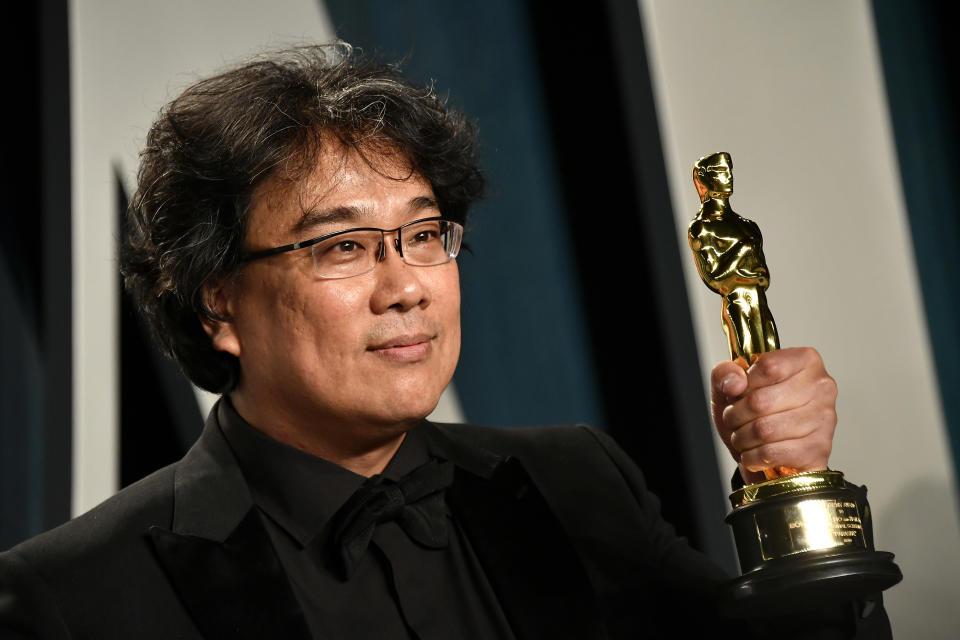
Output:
x=764 y=429
x=727 y=417
x=719 y=405
x=758 y=401
x=826 y=446
x=828 y=416
x=735 y=438
x=827 y=450
x=766 y=453
x=828 y=386
x=770 y=367
x=815 y=449
x=750 y=460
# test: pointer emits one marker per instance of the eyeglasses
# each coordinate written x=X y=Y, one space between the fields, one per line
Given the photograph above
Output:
x=353 y=252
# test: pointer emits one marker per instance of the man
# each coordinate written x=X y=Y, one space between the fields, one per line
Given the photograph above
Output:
x=292 y=242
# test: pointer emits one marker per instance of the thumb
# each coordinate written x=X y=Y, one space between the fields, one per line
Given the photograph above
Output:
x=727 y=382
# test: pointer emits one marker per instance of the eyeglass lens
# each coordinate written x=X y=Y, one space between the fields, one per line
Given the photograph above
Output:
x=356 y=251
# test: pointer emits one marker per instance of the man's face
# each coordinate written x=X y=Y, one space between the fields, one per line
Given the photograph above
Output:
x=370 y=352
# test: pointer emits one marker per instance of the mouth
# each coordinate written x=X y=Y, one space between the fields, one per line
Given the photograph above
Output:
x=404 y=348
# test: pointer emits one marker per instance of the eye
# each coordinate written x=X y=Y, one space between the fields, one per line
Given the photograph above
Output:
x=342 y=248
x=425 y=235
x=347 y=246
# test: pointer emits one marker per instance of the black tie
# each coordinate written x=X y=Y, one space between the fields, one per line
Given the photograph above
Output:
x=415 y=502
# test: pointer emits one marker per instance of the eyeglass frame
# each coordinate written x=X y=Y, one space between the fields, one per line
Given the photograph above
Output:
x=251 y=256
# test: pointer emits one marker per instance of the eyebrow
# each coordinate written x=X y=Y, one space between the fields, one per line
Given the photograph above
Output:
x=315 y=218
x=422 y=202
x=318 y=217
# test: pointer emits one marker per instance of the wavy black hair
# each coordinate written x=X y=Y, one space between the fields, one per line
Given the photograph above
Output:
x=211 y=147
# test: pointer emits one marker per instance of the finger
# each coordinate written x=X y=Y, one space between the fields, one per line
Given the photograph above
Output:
x=750 y=477
x=728 y=381
x=802 y=454
x=811 y=419
x=776 y=366
x=793 y=393
x=779 y=472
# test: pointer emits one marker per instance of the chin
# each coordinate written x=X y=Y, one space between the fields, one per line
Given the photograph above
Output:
x=411 y=410
x=415 y=412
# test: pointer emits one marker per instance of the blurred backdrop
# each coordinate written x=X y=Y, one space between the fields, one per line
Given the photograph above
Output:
x=841 y=120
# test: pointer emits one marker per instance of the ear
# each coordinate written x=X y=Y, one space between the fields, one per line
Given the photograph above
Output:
x=220 y=297
x=698 y=182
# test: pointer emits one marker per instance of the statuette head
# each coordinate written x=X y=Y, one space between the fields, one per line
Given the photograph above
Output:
x=713 y=176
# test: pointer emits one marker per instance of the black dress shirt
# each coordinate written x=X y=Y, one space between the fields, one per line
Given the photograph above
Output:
x=399 y=588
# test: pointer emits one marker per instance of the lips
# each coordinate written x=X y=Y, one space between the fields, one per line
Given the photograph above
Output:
x=404 y=348
x=402 y=341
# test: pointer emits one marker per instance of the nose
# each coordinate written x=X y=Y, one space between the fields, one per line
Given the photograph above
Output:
x=399 y=286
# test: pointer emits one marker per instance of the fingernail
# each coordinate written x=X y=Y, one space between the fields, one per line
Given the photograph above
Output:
x=726 y=381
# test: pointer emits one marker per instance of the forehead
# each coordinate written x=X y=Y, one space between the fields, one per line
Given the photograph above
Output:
x=339 y=180
x=720 y=164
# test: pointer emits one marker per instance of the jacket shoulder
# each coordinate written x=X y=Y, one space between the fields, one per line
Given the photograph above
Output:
x=580 y=470
x=555 y=452
x=600 y=497
x=105 y=531
x=97 y=575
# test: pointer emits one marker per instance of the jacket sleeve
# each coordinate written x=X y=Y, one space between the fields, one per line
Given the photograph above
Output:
x=26 y=608
x=860 y=620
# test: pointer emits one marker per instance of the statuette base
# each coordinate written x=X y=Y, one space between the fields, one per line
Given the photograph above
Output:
x=817 y=579
x=801 y=545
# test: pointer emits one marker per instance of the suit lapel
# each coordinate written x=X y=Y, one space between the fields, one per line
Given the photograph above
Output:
x=220 y=560
x=527 y=558
x=235 y=588
x=218 y=555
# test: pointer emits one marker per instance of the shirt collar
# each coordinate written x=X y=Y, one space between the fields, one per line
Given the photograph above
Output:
x=297 y=490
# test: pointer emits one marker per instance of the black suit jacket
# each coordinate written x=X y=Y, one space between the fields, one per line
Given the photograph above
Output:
x=559 y=517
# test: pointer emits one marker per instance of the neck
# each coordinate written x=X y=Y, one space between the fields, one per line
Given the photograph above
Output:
x=715 y=206
x=361 y=448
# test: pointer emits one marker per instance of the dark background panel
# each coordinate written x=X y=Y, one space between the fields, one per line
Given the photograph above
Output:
x=21 y=364
x=35 y=280
x=918 y=51
x=614 y=179
x=524 y=358
x=57 y=274
x=159 y=415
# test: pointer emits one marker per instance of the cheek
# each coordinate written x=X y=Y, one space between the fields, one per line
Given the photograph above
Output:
x=301 y=319
x=330 y=305
x=454 y=321
x=448 y=300
x=330 y=319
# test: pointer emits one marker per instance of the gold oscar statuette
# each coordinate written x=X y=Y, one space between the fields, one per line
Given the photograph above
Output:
x=800 y=537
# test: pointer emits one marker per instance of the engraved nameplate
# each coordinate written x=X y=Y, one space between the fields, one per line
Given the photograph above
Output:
x=808 y=525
